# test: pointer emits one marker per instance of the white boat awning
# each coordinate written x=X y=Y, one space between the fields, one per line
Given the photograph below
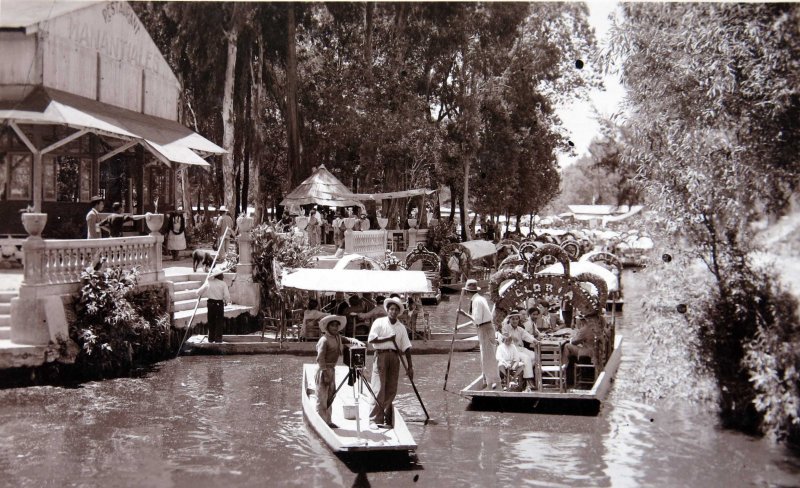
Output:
x=355 y=280
x=576 y=268
x=479 y=248
x=169 y=141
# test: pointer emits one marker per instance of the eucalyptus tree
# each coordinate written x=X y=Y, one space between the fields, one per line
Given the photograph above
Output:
x=712 y=133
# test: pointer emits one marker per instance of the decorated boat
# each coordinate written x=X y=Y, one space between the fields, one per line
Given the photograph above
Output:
x=350 y=416
x=585 y=378
x=476 y=259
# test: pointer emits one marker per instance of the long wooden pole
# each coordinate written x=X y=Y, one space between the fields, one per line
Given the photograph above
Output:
x=197 y=303
x=403 y=362
x=453 y=340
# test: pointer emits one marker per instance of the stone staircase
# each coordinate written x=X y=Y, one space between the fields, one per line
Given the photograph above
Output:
x=13 y=355
x=184 y=299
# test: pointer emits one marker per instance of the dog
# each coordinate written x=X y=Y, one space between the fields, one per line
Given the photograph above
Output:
x=204 y=257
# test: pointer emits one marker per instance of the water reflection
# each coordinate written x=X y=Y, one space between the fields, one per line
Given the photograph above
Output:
x=236 y=421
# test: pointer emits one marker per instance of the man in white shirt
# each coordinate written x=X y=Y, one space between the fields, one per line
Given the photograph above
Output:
x=384 y=334
x=481 y=316
x=93 y=218
x=511 y=327
x=509 y=362
x=216 y=291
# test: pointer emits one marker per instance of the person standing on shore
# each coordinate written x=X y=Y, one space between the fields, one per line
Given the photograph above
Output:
x=216 y=290
x=93 y=218
x=386 y=332
x=224 y=222
x=176 y=233
x=113 y=223
x=481 y=316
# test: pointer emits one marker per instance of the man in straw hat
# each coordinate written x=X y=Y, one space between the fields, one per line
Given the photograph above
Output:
x=481 y=316
x=512 y=328
x=216 y=290
x=329 y=348
x=384 y=334
x=93 y=217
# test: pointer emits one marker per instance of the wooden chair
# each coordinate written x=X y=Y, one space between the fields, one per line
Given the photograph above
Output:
x=552 y=370
x=292 y=329
x=583 y=370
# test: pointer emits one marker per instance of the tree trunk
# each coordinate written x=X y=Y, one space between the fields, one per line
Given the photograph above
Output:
x=464 y=223
x=227 y=118
x=452 y=203
x=296 y=170
x=368 y=42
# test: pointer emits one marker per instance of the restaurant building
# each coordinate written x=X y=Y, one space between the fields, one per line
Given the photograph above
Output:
x=88 y=106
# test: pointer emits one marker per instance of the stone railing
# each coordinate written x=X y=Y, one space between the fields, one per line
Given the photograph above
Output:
x=57 y=261
x=370 y=243
x=53 y=270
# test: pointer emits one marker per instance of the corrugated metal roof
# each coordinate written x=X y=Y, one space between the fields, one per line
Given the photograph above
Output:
x=15 y=14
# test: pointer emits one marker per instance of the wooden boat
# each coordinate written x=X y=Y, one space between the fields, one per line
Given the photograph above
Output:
x=470 y=252
x=597 y=392
x=566 y=283
x=352 y=435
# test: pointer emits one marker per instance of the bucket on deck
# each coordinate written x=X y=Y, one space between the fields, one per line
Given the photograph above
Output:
x=350 y=411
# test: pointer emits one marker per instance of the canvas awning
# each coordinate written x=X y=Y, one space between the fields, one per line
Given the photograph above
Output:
x=355 y=280
x=169 y=141
x=321 y=188
x=576 y=268
x=393 y=194
x=479 y=249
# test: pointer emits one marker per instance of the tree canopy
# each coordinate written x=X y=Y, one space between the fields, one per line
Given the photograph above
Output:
x=389 y=96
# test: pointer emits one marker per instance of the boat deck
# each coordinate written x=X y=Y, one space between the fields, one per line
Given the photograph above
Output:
x=352 y=435
x=597 y=393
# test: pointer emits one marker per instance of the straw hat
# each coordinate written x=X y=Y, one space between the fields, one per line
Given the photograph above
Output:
x=328 y=319
x=95 y=199
x=513 y=313
x=471 y=285
x=393 y=300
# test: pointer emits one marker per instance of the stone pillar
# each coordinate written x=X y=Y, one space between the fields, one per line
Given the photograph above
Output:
x=154 y=223
x=37 y=315
x=244 y=291
x=412 y=235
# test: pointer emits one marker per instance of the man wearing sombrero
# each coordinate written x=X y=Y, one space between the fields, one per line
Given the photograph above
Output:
x=216 y=291
x=386 y=332
x=481 y=316
x=329 y=348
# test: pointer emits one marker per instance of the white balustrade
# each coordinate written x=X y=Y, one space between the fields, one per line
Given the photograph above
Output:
x=370 y=243
x=60 y=262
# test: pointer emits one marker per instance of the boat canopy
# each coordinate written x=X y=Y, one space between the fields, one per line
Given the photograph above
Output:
x=345 y=261
x=355 y=280
x=576 y=268
x=479 y=248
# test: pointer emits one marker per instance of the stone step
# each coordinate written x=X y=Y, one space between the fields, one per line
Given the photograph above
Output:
x=13 y=355
x=6 y=296
x=186 y=285
x=5 y=320
x=184 y=295
x=5 y=308
x=184 y=305
x=5 y=332
x=182 y=317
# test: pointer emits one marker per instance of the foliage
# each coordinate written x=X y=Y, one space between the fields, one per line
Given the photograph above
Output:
x=117 y=325
x=204 y=233
x=712 y=137
x=271 y=247
x=442 y=234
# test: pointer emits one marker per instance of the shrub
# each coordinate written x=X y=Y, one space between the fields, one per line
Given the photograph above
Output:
x=117 y=325
x=271 y=247
x=772 y=359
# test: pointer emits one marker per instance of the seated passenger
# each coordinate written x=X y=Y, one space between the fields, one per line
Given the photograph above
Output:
x=554 y=319
x=509 y=360
x=535 y=321
x=511 y=326
x=354 y=307
x=310 y=314
x=338 y=304
x=582 y=342
x=376 y=311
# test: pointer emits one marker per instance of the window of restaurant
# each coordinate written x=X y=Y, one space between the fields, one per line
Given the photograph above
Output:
x=157 y=185
x=67 y=178
x=16 y=167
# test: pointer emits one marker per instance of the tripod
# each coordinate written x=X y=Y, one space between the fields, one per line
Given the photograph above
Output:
x=357 y=374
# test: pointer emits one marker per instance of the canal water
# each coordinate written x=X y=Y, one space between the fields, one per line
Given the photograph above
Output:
x=236 y=421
